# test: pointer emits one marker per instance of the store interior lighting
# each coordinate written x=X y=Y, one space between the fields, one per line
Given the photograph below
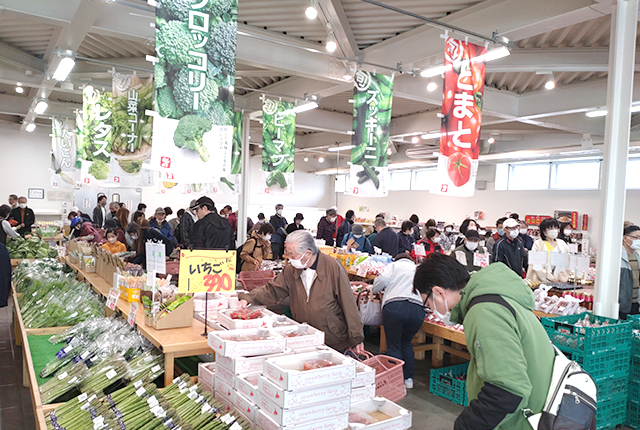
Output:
x=30 y=127
x=41 y=106
x=432 y=86
x=19 y=89
x=491 y=140
x=321 y=160
x=341 y=148
x=434 y=135
x=332 y=44
x=301 y=108
x=312 y=10
x=306 y=159
x=596 y=113
x=415 y=139
x=492 y=55
x=64 y=68
x=551 y=83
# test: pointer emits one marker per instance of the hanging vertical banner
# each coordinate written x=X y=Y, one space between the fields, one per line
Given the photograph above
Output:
x=194 y=79
x=278 y=140
x=63 y=154
x=373 y=95
x=230 y=184
x=94 y=137
x=462 y=116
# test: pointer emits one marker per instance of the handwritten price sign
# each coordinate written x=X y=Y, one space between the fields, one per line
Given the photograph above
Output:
x=207 y=271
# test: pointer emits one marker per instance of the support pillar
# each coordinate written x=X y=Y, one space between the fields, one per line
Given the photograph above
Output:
x=243 y=201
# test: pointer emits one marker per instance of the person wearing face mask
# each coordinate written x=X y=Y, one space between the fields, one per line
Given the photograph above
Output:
x=565 y=233
x=495 y=237
x=211 y=231
x=467 y=224
x=549 y=243
x=416 y=228
x=510 y=250
x=120 y=235
x=279 y=223
x=318 y=290
x=6 y=231
x=23 y=216
x=141 y=235
x=160 y=223
x=256 y=248
x=385 y=239
x=113 y=245
x=85 y=231
x=327 y=226
x=100 y=211
x=357 y=234
x=402 y=311
x=296 y=224
x=465 y=252
x=511 y=356
x=524 y=235
x=13 y=201
x=628 y=282
x=448 y=238
x=345 y=227
x=405 y=240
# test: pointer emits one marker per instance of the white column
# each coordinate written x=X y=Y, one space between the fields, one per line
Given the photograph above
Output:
x=616 y=142
x=245 y=181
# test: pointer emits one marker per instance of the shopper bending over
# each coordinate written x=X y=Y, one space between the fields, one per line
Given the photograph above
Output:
x=511 y=356
x=405 y=239
x=256 y=248
x=319 y=292
x=385 y=238
x=85 y=231
x=142 y=235
x=402 y=311
x=465 y=253
x=327 y=227
x=510 y=250
x=549 y=243
x=357 y=234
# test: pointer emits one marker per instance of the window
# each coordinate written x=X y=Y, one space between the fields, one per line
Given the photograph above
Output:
x=633 y=174
x=400 y=181
x=423 y=179
x=575 y=176
x=342 y=183
x=529 y=176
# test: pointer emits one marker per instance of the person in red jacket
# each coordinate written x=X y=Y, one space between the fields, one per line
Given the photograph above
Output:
x=430 y=243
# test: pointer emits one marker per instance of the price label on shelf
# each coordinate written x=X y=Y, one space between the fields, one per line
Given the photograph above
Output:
x=132 y=313
x=419 y=250
x=207 y=271
x=112 y=299
x=480 y=260
x=362 y=272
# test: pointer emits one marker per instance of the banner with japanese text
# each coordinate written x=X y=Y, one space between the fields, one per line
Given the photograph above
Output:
x=194 y=81
x=462 y=116
x=63 y=153
x=278 y=151
x=207 y=271
x=94 y=136
x=373 y=96
x=230 y=184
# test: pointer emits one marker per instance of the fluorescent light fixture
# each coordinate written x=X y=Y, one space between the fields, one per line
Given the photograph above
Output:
x=64 y=68
x=551 y=83
x=301 y=108
x=312 y=11
x=341 y=148
x=19 y=90
x=414 y=139
x=306 y=159
x=41 y=107
x=434 y=135
x=635 y=109
x=596 y=113
x=321 y=159
x=432 y=86
x=493 y=54
x=332 y=45
x=30 y=127
x=434 y=71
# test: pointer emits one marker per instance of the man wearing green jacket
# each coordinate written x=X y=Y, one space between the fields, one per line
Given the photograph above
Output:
x=511 y=355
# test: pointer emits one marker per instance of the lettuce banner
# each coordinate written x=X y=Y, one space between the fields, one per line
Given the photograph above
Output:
x=278 y=140
x=373 y=95
x=63 y=154
x=194 y=78
x=462 y=115
x=94 y=137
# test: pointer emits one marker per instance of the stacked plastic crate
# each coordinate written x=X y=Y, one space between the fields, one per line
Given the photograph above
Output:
x=602 y=347
x=633 y=407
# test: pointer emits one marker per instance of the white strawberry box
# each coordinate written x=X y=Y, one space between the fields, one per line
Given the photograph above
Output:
x=289 y=372
x=225 y=390
x=246 y=343
x=214 y=302
x=225 y=319
x=295 y=399
x=225 y=375
x=244 y=365
x=303 y=414
x=226 y=405
x=264 y=422
x=207 y=388
x=247 y=385
x=246 y=407
x=363 y=393
x=207 y=373
x=251 y=424
x=365 y=376
x=379 y=408
x=301 y=336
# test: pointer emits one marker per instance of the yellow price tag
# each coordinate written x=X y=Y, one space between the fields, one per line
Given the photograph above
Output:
x=207 y=271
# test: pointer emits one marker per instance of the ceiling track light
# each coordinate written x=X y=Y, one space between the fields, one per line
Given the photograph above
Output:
x=30 y=127
x=432 y=86
x=551 y=83
x=41 y=106
x=19 y=89
x=332 y=44
x=64 y=68
x=312 y=9
x=491 y=55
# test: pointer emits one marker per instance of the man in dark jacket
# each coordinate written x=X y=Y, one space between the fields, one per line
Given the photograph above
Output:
x=5 y=275
x=211 y=231
x=277 y=240
x=386 y=239
x=296 y=224
x=24 y=216
x=186 y=224
x=100 y=212
x=345 y=227
x=510 y=249
x=160 y=223
x=630 y=246
x=326 y=227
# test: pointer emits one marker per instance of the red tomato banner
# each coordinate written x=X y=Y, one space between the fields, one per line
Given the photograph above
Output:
x=462 y=116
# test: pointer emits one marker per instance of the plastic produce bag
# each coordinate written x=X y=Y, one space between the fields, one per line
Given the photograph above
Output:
x=370 y=310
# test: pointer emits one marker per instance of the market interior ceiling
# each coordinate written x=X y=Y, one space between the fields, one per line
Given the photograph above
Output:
x=281 y=51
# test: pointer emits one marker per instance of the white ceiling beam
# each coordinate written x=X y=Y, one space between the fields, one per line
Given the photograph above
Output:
x=334 y=12
x=16 y=105
x=19 y=58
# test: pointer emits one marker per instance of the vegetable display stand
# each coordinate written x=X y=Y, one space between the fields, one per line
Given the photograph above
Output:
x=182 y=316
x=450 y=383
x=255 y=278
x=15 y=261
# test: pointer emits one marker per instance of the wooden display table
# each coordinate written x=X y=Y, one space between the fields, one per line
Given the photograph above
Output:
x=174 y=343
x=355 y=273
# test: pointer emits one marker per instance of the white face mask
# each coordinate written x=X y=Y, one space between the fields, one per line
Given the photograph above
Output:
x=482 y=232
x=448 y=229
x=523 y=231
x=112 y=239
x=513 y=234
x=333 y=219
x=446 y=318
x=635 y=244
x=357 y=236
x=552 y=234
x=267 y=237
x=567 y=232
x=471 y=246
x=436 y=239
x=279 y=211
x=501 y=231
x=134 y=237
x=22 y=205
x=298 y=264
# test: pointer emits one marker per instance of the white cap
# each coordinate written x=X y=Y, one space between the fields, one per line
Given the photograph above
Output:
x=510 y=222
x=75 y=209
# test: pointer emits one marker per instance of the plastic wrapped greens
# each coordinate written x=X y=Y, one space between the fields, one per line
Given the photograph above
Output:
x=27 y=271
x=63 y=383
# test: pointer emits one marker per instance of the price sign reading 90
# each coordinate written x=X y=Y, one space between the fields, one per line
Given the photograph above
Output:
x=207 y=271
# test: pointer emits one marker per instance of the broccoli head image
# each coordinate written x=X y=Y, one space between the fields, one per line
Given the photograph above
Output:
x=183 y=95
x=179 y=9
x=99 y=170
x=189 y=133
x=166 y=104
x=221 y=48
x=218 y=114
x=173 y=43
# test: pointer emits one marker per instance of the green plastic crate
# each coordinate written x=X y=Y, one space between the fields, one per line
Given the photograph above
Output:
x=610 y=388
x=611 y=413
x=635 y=345
x=571 y=338
x=633 y=414
x=444 y=383
x=634 y=390
x=634 y=369
x=635 y=320
x=604 y=365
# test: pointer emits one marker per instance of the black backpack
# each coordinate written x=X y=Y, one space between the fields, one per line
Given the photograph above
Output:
x=239 y=250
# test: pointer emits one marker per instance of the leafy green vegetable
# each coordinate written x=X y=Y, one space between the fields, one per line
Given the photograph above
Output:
x=99 y=170
x=179 y=9
x=167 y=104
x=277 y=177
x=278 y=139
x=173 y=43
x=236 y=154
x=34 y=247
x=189 y=133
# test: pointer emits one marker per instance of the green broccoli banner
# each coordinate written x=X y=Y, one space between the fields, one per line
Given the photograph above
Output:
x=372 y=94
x=278 y=141
x=194 y=78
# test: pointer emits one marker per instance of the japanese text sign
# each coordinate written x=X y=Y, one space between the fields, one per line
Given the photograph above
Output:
x=156 y=259
x=278 y=140
x=207 y=271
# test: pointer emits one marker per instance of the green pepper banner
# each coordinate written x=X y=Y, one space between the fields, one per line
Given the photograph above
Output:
x=373 y=96
x=462 y=116
x=278 y=140
x=194 y=79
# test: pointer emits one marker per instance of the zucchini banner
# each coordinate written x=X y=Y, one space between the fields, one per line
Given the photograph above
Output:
x=278 y=141
x=194 y=79
x=373 y=96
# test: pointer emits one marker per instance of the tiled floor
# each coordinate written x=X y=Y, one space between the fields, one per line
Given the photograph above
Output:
x=15 y=400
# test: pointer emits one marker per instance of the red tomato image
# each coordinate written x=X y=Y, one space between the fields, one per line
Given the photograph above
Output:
x=459 y=168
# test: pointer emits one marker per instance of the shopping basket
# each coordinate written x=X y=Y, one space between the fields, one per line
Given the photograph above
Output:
x=389 y=376
x=255 y=278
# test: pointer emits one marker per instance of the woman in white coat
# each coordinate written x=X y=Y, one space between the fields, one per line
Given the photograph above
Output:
x=549 y=243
